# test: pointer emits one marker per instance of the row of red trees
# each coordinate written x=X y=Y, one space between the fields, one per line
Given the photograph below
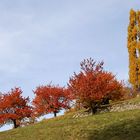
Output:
x=16 y=109
x=91 y=88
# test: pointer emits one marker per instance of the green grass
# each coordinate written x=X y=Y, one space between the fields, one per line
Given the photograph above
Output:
x=108 y=126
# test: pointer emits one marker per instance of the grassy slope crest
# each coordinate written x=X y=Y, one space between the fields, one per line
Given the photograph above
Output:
x=106 y=126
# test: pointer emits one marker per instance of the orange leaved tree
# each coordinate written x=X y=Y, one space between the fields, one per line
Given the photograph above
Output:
x=14 y=108
x=50 y=99
x=93 y=87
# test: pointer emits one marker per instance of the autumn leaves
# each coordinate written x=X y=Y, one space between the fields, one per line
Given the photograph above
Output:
x=91 y=88
x=134 y=48
x=14 y=108
x=50 y=99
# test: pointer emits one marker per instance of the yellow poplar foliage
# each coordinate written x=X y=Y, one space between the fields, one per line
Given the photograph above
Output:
x=133 y=45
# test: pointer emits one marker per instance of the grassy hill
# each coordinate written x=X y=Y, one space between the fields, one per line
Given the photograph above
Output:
x=107 y=126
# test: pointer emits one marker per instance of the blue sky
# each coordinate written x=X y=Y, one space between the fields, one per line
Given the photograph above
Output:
x=43 y=40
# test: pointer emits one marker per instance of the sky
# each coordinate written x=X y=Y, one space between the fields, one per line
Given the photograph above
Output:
x=43 y=41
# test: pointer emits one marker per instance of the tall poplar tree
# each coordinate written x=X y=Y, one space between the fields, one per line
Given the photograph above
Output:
x=134 y=48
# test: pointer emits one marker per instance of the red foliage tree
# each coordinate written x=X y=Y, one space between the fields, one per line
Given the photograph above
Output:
x=14 y=108
x=93 y=86
x=50 y=99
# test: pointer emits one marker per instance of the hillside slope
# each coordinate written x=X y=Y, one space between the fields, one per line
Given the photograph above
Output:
x=107 y=126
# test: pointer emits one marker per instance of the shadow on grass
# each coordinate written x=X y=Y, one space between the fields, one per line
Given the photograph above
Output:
x=125 y=130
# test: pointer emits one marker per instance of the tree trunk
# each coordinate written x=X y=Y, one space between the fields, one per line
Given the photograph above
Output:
x=15 y=123
x=93 y=110
x=55 y=114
